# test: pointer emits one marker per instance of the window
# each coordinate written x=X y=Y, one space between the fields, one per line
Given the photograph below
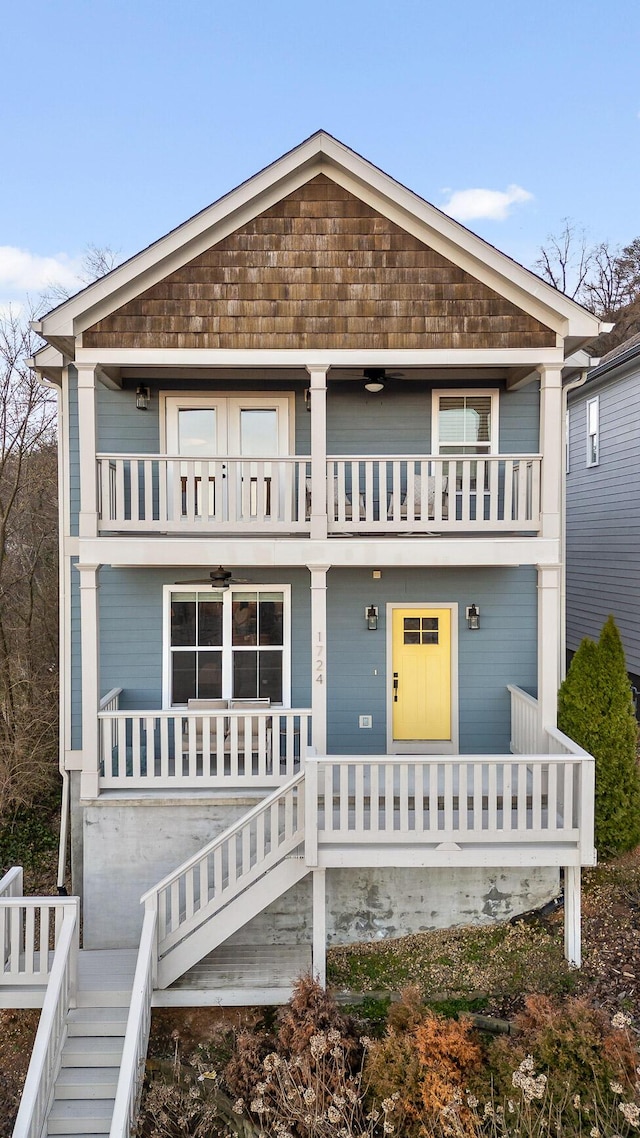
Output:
x=593 y=431
x=226 y=644
x=465 y=422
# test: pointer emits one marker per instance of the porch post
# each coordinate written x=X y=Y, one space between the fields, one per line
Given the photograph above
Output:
x=318 y=400
x=89 y=631
x=319 y=657
x=551 y=449
x=88 y=520
x=548 y=644
x=319 y=944
x=572 y=934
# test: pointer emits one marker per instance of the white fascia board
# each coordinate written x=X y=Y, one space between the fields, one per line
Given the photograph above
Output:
x=190 y=553
x=284 y=357
x=321 y=153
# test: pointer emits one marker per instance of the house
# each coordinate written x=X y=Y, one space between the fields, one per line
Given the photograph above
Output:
x=603 y=502
x=311 y=452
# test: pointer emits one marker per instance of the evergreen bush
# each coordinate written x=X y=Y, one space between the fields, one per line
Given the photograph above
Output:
x=595 y=708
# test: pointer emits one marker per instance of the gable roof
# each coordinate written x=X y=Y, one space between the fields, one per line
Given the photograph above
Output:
x=321 y=154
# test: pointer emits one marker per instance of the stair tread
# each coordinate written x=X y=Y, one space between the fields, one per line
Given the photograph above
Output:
x=75 y=1109
x=89 y=1076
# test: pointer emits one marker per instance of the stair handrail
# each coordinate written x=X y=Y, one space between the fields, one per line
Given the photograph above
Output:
x=37 y=1093
x=136 y=1039
x=166 y=937
x=11 y=885
x=235 y=827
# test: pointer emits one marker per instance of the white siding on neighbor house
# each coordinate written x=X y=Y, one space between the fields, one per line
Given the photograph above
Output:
x=603 y=515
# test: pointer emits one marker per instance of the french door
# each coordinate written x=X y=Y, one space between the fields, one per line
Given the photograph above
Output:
x=228 y=444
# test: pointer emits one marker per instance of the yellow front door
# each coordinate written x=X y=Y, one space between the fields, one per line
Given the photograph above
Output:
x=421 y=674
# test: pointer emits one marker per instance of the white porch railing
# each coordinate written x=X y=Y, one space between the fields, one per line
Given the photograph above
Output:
x=478 y=799
x=208 y=881
x=136 y=1038
x=30 y=929
x=157 y=749
x=159 y=493
x=51 y=1033
x=527 y=736
x=419 y=493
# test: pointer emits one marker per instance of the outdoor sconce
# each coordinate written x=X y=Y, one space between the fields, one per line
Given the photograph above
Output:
x=307 y=399
x=473 y=617
x=371 y=617
x=143 y=396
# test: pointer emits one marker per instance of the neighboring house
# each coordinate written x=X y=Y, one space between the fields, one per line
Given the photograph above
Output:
x=311 y=454
x=603 y=502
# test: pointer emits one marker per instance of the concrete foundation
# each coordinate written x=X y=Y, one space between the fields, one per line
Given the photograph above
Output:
x=130 y=844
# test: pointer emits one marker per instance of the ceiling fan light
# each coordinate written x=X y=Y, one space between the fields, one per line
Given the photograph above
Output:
x=374 y=386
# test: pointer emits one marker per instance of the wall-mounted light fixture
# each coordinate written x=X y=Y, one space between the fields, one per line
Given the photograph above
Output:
x=371 y=617
x=307 y=398
x=143 y=396
x=473 y=617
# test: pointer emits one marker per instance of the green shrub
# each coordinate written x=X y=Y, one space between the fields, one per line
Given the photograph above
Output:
x=595 y=708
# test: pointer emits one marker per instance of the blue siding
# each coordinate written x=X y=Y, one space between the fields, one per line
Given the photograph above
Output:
x=603 y=514
x=503 y=651
x=398 y=421
x=131 y=630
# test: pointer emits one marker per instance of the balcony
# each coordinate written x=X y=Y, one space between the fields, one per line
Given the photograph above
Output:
x=378 y=495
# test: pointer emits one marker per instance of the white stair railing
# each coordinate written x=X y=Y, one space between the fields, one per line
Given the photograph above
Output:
x=202 y=886
x=50 y=1037
x=136 y=1038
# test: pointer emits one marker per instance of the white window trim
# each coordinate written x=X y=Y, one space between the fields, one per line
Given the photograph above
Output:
x=246 y=587
x=253 y=399
x=594 y=402
x=445 y=392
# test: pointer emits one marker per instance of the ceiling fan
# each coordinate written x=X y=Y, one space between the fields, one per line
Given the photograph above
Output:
x=220 y=578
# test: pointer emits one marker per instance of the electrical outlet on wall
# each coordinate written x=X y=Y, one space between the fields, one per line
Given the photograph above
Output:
x=365 y=721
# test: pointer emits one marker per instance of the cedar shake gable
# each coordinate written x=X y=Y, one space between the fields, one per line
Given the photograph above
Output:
x=320 y=269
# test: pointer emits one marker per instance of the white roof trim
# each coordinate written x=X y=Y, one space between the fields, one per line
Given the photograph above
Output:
x=320 y=154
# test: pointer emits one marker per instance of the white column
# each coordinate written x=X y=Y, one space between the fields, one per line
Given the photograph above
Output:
x=572 y=933
x=318 y=400
x=88 y=521
x=319 y=658
x=551 y=449
x=549 y=581
x=319 y=943
x=89 y=641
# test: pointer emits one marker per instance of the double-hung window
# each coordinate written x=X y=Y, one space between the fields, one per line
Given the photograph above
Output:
x=227 y=644
x=465 y=422
x=593 y=431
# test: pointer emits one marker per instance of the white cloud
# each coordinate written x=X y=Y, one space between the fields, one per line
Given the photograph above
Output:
x=468 y=205
x=22 y=271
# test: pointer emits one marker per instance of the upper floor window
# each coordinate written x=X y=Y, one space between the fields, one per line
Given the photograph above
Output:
x=593 y=431
x=465 y=422
x=227 y=644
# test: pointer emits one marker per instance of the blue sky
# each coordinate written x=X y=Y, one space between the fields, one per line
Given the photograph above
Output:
x=121 y=118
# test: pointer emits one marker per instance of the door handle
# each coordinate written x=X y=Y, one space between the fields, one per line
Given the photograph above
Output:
x=395 y=687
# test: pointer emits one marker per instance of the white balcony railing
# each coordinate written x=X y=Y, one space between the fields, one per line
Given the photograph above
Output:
x=384 y=494
x=418 y=494
x=145 y=493
x=231 y=748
